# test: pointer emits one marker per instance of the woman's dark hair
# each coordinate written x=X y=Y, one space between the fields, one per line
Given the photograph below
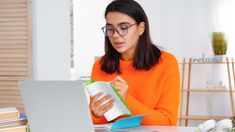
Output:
x=146 y=53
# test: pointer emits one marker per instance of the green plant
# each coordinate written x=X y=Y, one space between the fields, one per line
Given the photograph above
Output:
x=219 y=43
x=233 y=121
x=28 y=128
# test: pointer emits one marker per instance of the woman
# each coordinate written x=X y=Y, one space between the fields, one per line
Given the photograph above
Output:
x=146 y=77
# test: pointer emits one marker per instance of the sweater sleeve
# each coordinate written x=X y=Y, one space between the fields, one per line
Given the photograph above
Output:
x=166 y=110
x=100 y=120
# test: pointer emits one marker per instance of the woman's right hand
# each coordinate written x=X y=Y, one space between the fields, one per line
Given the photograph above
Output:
x=97 y=107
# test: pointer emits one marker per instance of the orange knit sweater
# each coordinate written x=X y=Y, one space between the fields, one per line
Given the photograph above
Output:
x=154 y=92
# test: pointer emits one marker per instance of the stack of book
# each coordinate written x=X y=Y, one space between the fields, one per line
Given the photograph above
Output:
x=11 y=120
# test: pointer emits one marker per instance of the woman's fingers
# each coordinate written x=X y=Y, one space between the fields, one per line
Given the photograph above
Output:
x=120 y=79
x=100 y=110
x=121 y=85
x=103 y=99
x=95 y=97
x=104 y=108
x=102 y=105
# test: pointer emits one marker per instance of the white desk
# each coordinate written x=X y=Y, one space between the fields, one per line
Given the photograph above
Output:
x=152 y=129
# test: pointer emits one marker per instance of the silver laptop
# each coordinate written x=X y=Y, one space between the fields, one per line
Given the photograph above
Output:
x=56 y=106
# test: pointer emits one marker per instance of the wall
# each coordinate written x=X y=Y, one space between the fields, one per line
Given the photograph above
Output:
x=184 y=27
x=51 y=39
x=88 y=20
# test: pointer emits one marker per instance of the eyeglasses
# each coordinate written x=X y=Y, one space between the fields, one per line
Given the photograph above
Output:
x=122 y=29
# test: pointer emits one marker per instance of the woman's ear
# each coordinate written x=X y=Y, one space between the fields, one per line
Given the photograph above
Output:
x=141 y=28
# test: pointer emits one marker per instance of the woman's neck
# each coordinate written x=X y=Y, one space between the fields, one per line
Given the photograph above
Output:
x=127 y=57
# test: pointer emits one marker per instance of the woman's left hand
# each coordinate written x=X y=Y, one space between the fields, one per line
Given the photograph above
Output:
x=121 y=85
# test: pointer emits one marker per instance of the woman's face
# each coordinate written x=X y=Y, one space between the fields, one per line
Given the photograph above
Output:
x=129 y=31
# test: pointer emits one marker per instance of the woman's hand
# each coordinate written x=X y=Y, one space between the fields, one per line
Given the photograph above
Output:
x=121 y=85
x=97 y=107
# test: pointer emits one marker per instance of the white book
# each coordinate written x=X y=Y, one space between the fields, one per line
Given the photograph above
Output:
x=119 y=108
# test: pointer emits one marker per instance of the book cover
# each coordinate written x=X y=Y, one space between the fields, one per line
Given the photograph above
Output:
x=126 y=122
x=9 y=113
x=22 y=120
x=14 y=129
x=119 y=109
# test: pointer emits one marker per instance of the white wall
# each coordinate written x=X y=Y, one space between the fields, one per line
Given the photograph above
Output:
x=88 y=36
x=184 y=28
x=152 y=10
x=51 y=39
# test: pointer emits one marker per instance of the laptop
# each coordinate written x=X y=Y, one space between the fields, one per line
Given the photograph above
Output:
x=56 y=106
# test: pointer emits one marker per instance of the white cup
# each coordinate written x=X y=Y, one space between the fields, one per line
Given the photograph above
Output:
x=207 y=126
x=224 y=125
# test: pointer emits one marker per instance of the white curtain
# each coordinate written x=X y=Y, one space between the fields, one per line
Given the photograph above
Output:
x=224 y=21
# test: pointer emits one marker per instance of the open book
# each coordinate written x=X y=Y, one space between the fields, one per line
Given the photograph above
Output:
x=120 y=108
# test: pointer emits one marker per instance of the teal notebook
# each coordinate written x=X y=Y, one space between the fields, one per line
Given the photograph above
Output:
x=127 y=122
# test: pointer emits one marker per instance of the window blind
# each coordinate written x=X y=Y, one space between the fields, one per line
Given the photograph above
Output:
x=15 y=50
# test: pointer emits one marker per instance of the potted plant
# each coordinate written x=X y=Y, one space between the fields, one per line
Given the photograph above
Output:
x=219 y=45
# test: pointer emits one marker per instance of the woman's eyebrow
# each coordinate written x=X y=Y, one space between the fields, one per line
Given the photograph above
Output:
x=118 y=23
x=108 y=24
x=123 y=23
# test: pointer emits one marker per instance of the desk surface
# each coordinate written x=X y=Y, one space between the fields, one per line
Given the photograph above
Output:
x=153 y=129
